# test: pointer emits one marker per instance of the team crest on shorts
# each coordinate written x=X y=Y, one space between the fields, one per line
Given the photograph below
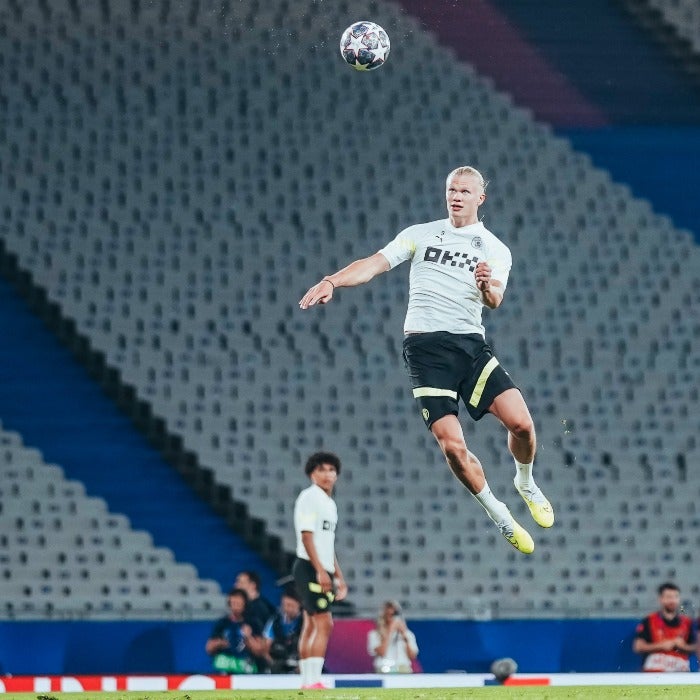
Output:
x=477 y=243
x=426 y=414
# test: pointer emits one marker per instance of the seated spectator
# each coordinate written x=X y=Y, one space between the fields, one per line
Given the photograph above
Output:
x=281 y=635
x=233 y=642
x=258 y=609
x=666 y=638
x=392 y=645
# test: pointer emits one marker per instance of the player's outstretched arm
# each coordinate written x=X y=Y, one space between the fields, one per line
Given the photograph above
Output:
x=358 y=272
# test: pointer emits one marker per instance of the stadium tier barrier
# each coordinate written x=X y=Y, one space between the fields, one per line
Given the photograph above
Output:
x=155 y=683
x=88 y=648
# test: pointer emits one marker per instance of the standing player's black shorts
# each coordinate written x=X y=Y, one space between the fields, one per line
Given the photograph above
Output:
x=445 y=367
x=313 y=599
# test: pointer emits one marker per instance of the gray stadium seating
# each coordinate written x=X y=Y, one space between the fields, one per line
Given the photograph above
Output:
x=683 y=16
x=63 y=555
x=176 y=183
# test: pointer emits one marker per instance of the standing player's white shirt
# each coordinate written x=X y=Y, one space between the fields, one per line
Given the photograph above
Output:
x=315 y=511
x=443 y=295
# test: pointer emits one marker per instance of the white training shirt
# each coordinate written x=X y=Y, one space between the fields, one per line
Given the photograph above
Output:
x=442 y=290
x=315 y=511
x=396 y=658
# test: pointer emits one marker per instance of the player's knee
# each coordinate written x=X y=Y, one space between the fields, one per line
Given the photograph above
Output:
x=523 y=428
x=324 y=622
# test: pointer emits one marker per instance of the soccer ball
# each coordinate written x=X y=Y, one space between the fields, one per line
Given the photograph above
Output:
x=503 y=669
x=365 y=46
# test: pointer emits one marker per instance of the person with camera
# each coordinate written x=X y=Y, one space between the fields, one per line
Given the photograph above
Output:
x=281 y=635
x=233 y=643
x=392 y=645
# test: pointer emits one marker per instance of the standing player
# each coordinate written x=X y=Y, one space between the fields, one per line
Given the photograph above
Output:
x=317 y=575
x=457 y=267
x=666 y=638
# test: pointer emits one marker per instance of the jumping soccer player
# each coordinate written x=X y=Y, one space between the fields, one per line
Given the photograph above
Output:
x=457 y=267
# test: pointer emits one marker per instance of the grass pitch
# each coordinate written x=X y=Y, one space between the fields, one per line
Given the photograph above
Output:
x=591 y=692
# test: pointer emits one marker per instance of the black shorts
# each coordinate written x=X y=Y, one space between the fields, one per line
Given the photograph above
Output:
x=313 y=599
x=445 y=367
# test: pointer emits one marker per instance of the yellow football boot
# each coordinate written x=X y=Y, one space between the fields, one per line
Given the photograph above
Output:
x=517 y=535
x=540 y=508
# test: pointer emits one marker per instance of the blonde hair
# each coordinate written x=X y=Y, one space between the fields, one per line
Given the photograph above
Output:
x=381 y=622
x=468 y=170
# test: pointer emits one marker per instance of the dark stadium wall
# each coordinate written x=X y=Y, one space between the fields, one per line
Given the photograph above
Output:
x=608 y=58
x=482 y=34
x=47 y=396
x=652 y=141
x=596 y=76
x=573 y=64
x=563 y=646
x=659 y=163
